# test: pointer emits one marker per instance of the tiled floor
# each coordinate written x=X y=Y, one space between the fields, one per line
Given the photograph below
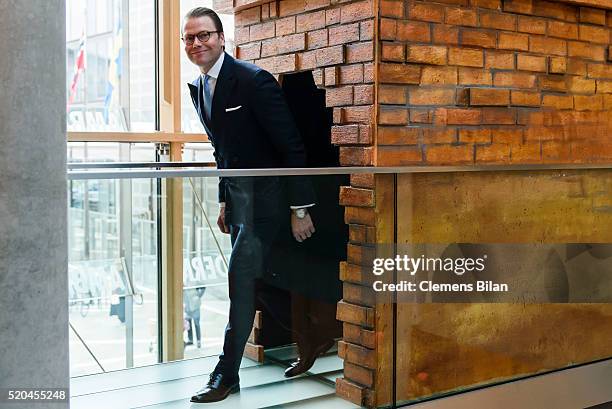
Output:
x=169 y=386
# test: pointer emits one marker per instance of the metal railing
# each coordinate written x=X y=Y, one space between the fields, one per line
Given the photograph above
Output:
x=125 y=170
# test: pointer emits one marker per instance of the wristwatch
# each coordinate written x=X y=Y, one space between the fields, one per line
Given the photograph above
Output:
x=300 y=213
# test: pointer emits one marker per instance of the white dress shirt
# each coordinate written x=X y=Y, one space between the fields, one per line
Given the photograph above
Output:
x=213 y=73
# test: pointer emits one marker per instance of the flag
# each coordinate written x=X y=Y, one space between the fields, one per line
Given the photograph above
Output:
x=114 y=70
x=79 y=66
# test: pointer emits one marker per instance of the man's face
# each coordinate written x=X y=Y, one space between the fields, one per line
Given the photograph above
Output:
x=204 y=55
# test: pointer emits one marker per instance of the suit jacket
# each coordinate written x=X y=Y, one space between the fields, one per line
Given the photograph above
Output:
x=252 y=127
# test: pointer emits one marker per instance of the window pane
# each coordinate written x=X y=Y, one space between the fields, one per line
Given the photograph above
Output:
x=142 y=65
x=110 y=152
x=198 y=152
x=110 y=89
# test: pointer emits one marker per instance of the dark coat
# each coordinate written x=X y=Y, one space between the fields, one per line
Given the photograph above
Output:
x=257 y=131
x=311 y=268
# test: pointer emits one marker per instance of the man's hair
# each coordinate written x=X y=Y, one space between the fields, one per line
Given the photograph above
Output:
x=205 y=12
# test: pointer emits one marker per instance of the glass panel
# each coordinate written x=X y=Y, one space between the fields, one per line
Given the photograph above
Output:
x=189 y=72
x=206 y=252
x=458 y=216
x=110 y=89
x=145 y=270
x=295 y=286
x=112 y=274
x=546 y=235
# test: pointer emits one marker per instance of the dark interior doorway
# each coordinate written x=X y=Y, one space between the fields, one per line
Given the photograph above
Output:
x=308 y=272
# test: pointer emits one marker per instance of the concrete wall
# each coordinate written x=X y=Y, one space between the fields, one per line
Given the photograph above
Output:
x=33 y=239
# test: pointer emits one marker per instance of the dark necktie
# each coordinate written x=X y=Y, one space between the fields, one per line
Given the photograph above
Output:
x=207 y=97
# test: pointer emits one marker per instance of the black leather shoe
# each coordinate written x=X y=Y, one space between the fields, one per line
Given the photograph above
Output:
x=305 y=362
x=218 y=388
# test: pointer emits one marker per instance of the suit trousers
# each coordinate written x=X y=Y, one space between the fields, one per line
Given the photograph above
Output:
x=251 y=245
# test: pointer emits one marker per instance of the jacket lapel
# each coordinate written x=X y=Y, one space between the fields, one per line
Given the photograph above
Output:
x=223 y=89
x=196 y=95
x=193 y=90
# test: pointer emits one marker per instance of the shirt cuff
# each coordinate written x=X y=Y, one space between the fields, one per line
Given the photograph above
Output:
x=302 y=206
x=221 y=204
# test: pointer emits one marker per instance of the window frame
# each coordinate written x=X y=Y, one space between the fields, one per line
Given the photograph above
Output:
x=168 y=89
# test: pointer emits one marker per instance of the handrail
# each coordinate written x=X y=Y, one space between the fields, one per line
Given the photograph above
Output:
x=213 y=172
x=134 y=165
x=136 y=137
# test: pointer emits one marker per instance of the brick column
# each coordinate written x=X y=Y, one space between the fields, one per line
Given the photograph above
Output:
x=357 y=309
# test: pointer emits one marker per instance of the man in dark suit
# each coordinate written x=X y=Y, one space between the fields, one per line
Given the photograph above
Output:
x=250 y=126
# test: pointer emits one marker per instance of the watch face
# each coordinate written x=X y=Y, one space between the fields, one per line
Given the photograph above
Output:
x=300 y=213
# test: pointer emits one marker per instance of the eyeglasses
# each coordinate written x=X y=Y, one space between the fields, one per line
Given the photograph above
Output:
x=203 y=36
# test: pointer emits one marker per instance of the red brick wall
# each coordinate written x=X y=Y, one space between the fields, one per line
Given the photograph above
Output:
x=494 y=81
x=335 y=39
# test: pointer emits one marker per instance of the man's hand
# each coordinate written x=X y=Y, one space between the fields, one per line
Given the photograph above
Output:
x=301 y=228
x=221 y=221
